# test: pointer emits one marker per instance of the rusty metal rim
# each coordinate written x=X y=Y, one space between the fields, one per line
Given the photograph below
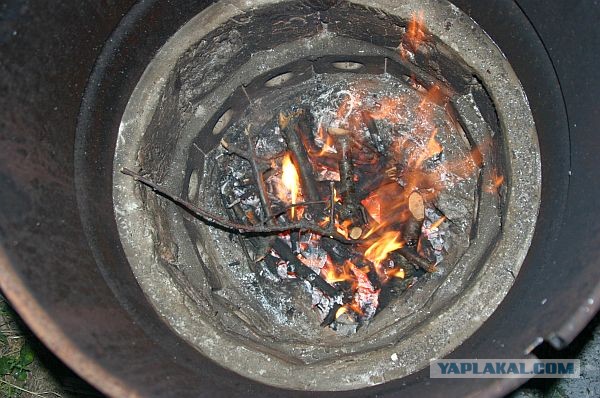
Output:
x=54 y=338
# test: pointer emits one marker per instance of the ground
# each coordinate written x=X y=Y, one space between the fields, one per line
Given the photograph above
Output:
x=28 y=369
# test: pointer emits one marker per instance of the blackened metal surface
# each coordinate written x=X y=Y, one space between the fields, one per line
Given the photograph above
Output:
x=48 y=51
x=569 y=31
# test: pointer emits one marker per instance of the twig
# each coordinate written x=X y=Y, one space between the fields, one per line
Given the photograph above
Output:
x=234 y=150
x=241 y=228
x=411 y=255
x=35 y=394
x=291 y=206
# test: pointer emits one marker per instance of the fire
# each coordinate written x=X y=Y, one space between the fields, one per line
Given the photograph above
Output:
x=415 y=32
x=372 y=206
x=383 y=246
x=414 y=165
x=495 y=183
x=396 y=273
x=333 y=273
x=437 y=223
x=328 y=146
x=291 y=181
x=341 y=311
x=343 y=227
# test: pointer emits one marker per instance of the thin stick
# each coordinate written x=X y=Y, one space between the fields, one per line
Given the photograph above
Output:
x=288 y=207
x=224 y=223
x=235 y=150
x=36 y=394
x=413 y=257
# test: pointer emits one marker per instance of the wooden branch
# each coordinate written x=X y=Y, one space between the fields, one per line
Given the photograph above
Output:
x=291 y=206
x=288 y=125
x=411 y=255
x=350 y=205
x=227 y=224
x=373 y=130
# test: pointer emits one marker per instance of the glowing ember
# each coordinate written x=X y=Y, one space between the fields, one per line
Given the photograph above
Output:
x=415 y=33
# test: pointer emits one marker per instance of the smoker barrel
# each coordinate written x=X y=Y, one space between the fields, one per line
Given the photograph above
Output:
x=71 y=283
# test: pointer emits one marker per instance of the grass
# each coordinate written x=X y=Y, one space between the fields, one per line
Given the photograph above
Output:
x=22 y=375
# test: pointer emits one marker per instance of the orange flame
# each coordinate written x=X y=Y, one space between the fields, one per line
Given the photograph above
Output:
x=340 y=312
x=437 y=223
x=495 y=183
x=343 y=227
x=409 y=167
x=333 y=273
x=291 y=181
x=415 y=32
x=382 y=247
x=396 y=273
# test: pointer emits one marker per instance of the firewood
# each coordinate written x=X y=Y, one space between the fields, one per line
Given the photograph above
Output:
x=217 y=220
x=355 y=232
x=411 y=255
x=299 y=155
x=416 y=206
x=373 y=130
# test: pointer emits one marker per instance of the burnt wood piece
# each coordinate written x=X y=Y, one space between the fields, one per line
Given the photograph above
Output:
x=373 y=130
x=271 y=263
x=305 y=130
x=302 y=271
x=350 y=206
x=411 y=255
x=339 y=253
x=289 y=125
x=331 y=315
x=411 y=230
x=261 y=244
